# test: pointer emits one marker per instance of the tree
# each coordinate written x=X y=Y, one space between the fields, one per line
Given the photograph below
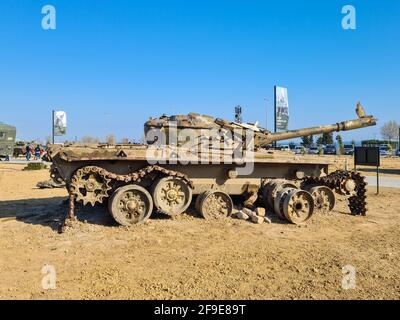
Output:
x=110 y=139
x=325 y=139
x=89 y=140
x=340 y=143
x=321 y=150
x=48 y=140
x=390 y=130
x=307 y=141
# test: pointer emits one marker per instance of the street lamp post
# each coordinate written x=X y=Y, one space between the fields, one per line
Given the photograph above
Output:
x=52 y=128
x=266 y=113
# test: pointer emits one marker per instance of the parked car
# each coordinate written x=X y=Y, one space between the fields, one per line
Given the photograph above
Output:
x=330 y=149
x=285 y=147
x=398 y=152
x=384 y=151
x=298 y=149
x=313 y=150
x=348 y=149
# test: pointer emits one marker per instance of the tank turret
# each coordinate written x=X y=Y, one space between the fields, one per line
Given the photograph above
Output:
x=208 y=128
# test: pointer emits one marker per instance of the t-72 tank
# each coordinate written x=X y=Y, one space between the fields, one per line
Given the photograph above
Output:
x=197 y=156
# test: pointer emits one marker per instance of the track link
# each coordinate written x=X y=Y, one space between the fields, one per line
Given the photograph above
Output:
x=357 y=199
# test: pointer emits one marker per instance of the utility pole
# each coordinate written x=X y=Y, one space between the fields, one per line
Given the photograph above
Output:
x=266 y=113
x=398 y=146
x=52 y=127
x=275 y=110
x=275 y=113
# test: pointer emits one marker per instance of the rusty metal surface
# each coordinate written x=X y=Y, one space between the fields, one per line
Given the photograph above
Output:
x=336 y=181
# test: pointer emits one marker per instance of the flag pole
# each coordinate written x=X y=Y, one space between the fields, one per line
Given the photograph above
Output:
x=274 y=108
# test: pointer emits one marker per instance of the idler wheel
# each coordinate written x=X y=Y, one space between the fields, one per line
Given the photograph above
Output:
x=347 y=186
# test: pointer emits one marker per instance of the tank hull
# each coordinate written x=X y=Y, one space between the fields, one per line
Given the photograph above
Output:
x=263 y=166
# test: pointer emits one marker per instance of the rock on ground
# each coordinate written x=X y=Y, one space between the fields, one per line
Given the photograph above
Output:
x=257 y=219
x=241 y=215
x=260 y=211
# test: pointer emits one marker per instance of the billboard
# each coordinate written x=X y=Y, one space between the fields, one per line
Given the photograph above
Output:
x=59 y=123
x=281 y=108
x=367 y=156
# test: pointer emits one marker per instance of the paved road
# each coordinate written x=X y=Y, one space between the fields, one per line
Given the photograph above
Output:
x=390 y=182
x=22 y=161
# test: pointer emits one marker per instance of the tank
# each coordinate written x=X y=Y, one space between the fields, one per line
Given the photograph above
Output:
x=207 y=162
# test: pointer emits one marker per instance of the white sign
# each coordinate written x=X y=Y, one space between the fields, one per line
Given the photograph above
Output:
x=281 y=108
x=60 y=123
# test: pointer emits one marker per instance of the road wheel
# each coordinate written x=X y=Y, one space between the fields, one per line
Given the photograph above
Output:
x=172 y=195
x=324 y=198
x=298 y=206
x=279 y=201
x=130 y=205
x=272 y=189
x=214 y=205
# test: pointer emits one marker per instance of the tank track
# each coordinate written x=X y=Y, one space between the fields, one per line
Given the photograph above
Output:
x=335 y=180
x=136 y=176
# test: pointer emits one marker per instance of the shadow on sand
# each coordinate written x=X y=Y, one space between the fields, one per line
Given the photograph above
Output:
x=51 y=212
x=385 y=171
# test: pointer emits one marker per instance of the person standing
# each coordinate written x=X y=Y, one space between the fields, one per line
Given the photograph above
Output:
x=28 y=152
x=37 y=152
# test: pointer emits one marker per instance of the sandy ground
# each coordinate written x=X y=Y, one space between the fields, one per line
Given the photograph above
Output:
x=189 y=258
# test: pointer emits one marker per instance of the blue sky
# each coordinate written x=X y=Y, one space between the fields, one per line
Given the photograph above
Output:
x=112 y=64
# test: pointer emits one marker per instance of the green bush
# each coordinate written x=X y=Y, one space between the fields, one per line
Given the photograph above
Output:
x=35 y=166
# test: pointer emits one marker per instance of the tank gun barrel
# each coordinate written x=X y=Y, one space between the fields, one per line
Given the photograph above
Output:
x=266 y=138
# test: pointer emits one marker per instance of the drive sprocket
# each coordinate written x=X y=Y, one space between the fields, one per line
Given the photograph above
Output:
x=89 y=185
